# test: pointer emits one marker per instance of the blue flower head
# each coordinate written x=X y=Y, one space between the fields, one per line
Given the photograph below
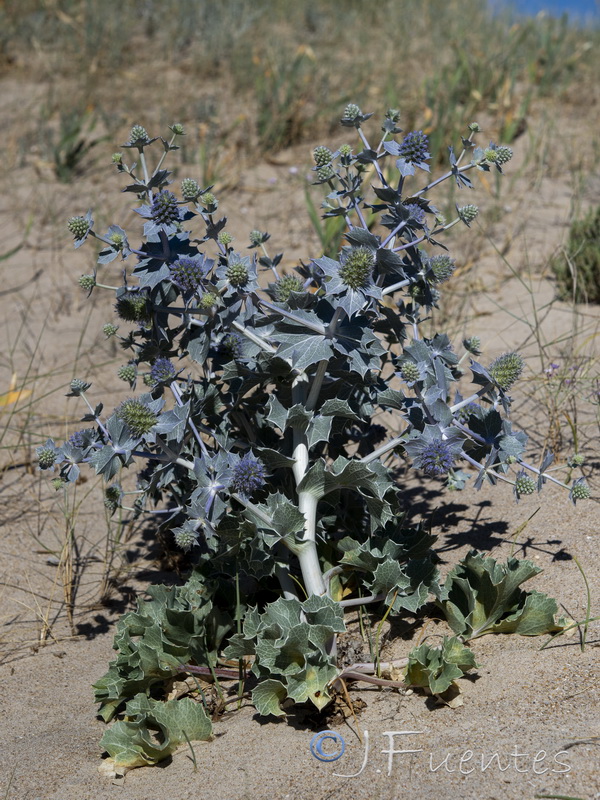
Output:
x=248 y=476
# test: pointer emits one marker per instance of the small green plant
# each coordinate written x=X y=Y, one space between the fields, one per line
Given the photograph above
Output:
x=577 y=266
x=257 y=430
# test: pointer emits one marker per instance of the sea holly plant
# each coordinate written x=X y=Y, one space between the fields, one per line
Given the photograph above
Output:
x=259 y=413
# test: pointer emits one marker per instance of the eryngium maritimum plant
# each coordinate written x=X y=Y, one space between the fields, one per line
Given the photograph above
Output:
x=255 y=429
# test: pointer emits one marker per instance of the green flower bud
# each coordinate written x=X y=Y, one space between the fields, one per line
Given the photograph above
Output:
x=137 y=416
x=190 y=189
x=78 y=226
x=503 y=154
x=285 y=286
x=87 y=282
x=127 y=373
x=524 y=484
x=468 y=213
x=138 y=136
x=506 y=369
x=208 y=300
x=132 y=307
x=351 y=112
x=112 y=497
x=237 y=274
x=117 y=239
x=490 y=154
x=185 y=538
x=57 y=483
x=47 y=455
x=474 y=127
x=579 y=491
x=117 y=158
x=79 y=386
x=109 y=329
x=356 y=271
x=177 y=129
x=256 y=238
x=409 y=372
x=322 y=156
x=345 y=151
x=209 y=201
x=325 y=173
x=576 y=460
x=225 y=238
x=473 y=345
x=441 y=268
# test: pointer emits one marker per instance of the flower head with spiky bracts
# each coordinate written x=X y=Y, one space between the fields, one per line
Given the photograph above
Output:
x=132 y=306
x=434 y=450
x=524 y=485
x=163 y=214
x=48 y=454
x=579 y=491
x=81 y=227
x=137 y=416
x=350 y=278
x=188 y=272
x=285 y=286
x=506 y=370
x=247 y=476
x=440 y=268
x=162 y=371
x=236 y=275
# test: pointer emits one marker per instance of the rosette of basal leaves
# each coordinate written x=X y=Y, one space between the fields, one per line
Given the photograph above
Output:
x=482 y=596
x=291 y=643
x=152 y=730
x=178 y=625
x=437 y=668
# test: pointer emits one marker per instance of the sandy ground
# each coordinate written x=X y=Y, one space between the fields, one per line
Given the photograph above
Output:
x=529 y=725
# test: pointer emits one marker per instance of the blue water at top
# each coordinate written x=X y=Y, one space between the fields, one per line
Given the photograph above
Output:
x=580 y=11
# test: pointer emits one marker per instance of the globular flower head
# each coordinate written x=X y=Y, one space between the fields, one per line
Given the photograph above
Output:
x=87 y=282
x=186 y=536
x=258 y=237
x=164 y=209
x=209 y=201
x=47 y=454
x=117 y=158
x=138 y=137
x=472 y=345
x=524 y=484
x=490 y=154
x=410 y=372
x=132 y=307
x=351 y=113
x=177 y=129
x=128 y=373
x=162 y=371
x=414 y=147
x=357 y=269
x=80 y=227
x=325 y=173
x=436 y=458
x=112 y=497
x=78 y=387
x=345 y=151
x=441 y=268
x=188 y=272
x=576 y=460
x=322 y=156
x=208 y=300
x=237 y=273
x=224 y=238
x=285 y=286
x=474 y=127
x=248 y=476
x=468 y=213
x=503 y=154
x=579 y=491
x=137 y=416
x=506 y=369
x=109 y=329
x=416 y=214
x=233 y=344
x=190 y=189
